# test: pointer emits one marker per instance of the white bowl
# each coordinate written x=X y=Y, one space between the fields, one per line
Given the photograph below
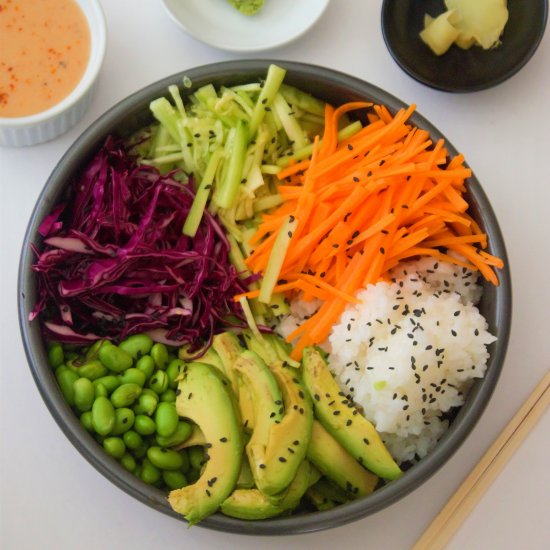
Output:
x=46 y=125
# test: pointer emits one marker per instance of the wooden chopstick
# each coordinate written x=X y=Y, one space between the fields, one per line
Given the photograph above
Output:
x=445 y=524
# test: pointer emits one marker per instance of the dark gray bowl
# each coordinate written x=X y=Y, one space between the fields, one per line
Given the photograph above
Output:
x=461 y=70
x=132 y=113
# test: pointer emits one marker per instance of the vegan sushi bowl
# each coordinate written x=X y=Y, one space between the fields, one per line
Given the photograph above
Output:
x=268 y=298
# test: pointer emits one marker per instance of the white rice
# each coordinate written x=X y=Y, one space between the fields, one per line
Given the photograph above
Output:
x=409 y=351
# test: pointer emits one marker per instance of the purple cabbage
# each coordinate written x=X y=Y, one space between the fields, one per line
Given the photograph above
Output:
x=115 y=262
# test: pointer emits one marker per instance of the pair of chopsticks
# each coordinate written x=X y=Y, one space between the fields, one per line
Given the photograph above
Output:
x=445 y=524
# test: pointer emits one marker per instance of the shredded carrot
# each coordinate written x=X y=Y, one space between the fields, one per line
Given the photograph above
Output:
x=384 y=195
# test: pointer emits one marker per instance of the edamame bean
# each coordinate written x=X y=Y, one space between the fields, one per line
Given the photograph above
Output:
x=115 y=359
x=137 y=345
x=132 y=439
x=149 y=472
x=144 y=425
x=66 y=378
x=165 y=459
x=182 y=432
x=103 y=415
x=111 y=382
x=92 y=370
x=133 y=376
x=174 y=479
x=146 y=365
x=141 y=451
x=159 y=382
x=114 y=446
x=56 y=355
x=93 y=350
x=101 y=390
x=159 y=353
x=86 y=421
x=186 y=464
x=84 y=394
x=166 y=419
x=196 y=457
x=169 y=396
x=128 y=462
x=70 y=355
x=173 y=371
x=146 y=404
x=125 y=395
x=124 y=420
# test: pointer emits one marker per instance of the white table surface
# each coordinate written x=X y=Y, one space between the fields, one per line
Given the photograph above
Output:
x=51 y=498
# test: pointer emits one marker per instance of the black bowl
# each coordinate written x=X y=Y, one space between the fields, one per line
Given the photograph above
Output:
x=132 y=113
x=461 y=70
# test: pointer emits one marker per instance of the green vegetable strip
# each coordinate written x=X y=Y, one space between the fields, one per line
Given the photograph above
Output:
x=249 y=317
x=264 y=203
x=167 y=116
x=273 y=81
x=304 y=101
x=228 y=191
x=276 y=259
x=175 y=93
x=201 y=197
x=306 y=151
x=289 y=122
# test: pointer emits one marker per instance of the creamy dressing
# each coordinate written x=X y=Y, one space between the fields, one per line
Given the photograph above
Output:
x=44 y=51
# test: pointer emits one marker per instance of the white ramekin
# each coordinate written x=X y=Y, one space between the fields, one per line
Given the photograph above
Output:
x=40 y=127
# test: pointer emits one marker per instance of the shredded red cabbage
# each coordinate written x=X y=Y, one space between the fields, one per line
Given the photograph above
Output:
x=116 y=263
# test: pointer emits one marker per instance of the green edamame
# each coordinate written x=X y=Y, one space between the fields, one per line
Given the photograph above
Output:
x=149 y=472
x=165 y=459
x=146 y=365
x=115 y=359
x=174 y=479
x=159 y=382
x=166 y=419
x=93 y=350
x=92 y=370
x=144 y=425
x=159 y=353
x=182 y=432
x=169 y=396
x=196 y=457
x=133 y=376
x=173 y=371
x=111 y=382
x=56 y=356
x=103 y=415
x=84 y=394
x=100 y=390
x=66 y=378
x=132 y=439
x=128 y=462
x=114 y=446
x=125 y=395
x=124 y=420
x=141 y=451
x=146 y=404
x=137 y=345
x=86 y=421
x=193 y=475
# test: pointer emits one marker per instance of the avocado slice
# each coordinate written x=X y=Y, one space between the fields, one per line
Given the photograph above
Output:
x=338 y=465
x=228 y=348
x=253 y=504
x=342 y=420
x=205 y=399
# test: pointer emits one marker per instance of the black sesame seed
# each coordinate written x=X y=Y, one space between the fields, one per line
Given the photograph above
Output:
x=282 y=459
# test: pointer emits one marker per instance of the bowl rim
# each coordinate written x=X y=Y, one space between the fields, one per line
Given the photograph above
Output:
x=98 y=45
x=389 y=5
x=108 y=467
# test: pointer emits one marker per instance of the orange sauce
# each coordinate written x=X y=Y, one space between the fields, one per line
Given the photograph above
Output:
x=44 y=51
